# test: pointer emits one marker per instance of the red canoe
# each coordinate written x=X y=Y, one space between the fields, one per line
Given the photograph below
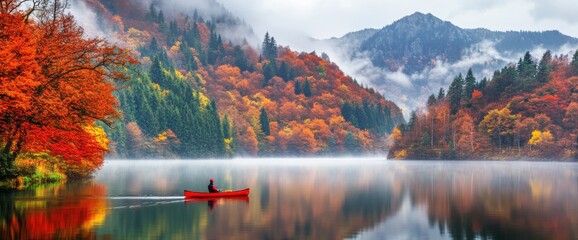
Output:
x=237 y=193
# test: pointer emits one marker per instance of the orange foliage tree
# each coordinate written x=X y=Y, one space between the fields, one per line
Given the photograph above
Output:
x=53 y=80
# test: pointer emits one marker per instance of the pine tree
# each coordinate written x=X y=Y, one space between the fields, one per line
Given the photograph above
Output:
x=156 y=72
x=269 y=50
x=431 y=100
x=574 y=64
x=470 y=85
x=482 y=84
x=297 y=88
x=284 y=72
x=455 y=93
x=544 y=68
x=264 y=120
x=269 y=70
x=441 y=94
x=240 y=59
x=526 y=69
x=350 y=144
x=307 y=88
x=154 y=46
x=226 y=126
x=265 y=46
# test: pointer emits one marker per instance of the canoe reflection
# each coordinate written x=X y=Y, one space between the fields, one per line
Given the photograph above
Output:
x=212 y=202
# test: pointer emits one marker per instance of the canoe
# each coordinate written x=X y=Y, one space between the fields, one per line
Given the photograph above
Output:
x=236 y=193
x=217 y=199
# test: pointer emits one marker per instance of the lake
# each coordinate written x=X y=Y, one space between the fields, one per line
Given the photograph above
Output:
x=349 y=198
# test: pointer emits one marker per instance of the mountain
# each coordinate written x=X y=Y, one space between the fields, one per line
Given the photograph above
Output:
x=202 y=90
x=416 y=55
x=419 y=40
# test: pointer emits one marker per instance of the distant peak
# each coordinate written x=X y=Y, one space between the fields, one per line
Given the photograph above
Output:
x=424 y=20
x=421 y=16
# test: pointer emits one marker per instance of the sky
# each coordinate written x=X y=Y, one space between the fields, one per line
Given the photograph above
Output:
x=291 y=21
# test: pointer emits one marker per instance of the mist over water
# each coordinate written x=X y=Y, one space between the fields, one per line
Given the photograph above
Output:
x=291 y=198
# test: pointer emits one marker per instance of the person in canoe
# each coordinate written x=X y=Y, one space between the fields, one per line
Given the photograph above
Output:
x=212 y=187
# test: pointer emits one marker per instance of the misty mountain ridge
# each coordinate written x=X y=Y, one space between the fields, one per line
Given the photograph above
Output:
x=231 y=27
x=416 y=55
x=419 y=40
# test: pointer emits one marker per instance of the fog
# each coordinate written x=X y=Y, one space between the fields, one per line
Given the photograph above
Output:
x=296 y=23
x=410 y=91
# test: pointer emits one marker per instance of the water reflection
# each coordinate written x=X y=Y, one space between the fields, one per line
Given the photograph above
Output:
x=357 y=199
x=500 y=201
x=212 y=202
x=61 y=211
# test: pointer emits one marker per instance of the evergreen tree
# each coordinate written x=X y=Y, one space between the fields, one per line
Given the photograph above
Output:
x=284 y=72
x=431 y=100
x=226 y=126
x=455 y=93
x=526 y=70
x=307 y=88
x=482 y=84
x=470 y=85
x=240 y=59
x=215 y=48
x=297 y=88
x=269 y=50
x=441 y=94
x=265 y=46
x=264 y=120
x=574 y=64
x=269 y=70
x=412 y=120
x=189 y=58
x=154 y=46
x=350 y=144
x=156 y=72
x=544 y=68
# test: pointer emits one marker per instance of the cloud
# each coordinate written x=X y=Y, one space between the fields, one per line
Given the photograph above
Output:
x=324 y=19
x=410 y=91
x=93 y=25
x=562 y=10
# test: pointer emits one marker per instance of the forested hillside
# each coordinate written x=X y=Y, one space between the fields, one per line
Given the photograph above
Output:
x=526 y=110
x=200 y=94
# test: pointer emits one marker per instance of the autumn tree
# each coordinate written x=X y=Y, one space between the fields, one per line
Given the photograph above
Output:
x=465 y=139
x=500 y=125
x=63 y=79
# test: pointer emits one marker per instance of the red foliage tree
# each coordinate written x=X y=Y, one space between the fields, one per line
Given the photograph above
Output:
x=63 y=79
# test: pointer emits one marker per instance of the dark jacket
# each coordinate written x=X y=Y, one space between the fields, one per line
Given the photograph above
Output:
x=212 y=188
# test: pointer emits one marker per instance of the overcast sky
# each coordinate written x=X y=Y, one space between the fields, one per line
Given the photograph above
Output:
x=290 y=20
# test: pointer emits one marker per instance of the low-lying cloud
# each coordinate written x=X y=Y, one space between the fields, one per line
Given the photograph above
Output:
x=410 y=91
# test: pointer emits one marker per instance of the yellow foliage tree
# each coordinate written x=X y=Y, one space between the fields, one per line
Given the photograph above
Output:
x=540 y=138
x=99 y=135
x=402 y=154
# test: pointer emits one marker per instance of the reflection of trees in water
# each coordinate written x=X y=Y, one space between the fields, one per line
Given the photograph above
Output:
x=494 y=203
x=309 y=203
x=52 y=212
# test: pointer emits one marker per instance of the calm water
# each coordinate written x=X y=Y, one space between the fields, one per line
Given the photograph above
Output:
x=304 y=199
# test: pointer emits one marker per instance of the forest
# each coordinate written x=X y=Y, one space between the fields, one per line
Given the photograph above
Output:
x=166 y=87
x=198 y=95
x=527 y=110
